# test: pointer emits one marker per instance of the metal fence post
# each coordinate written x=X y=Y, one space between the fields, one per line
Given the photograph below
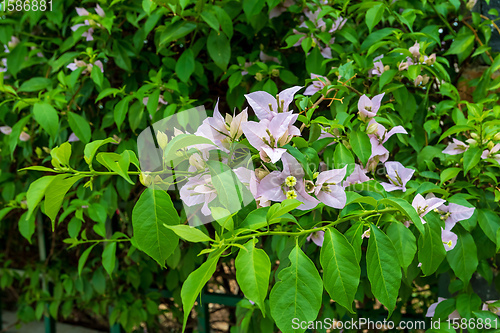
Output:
x=203 y=314
x=49 y=322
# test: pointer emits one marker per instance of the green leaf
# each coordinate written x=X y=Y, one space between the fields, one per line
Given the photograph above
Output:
x=116 y=163
x=341 y=270
x=472 y=156
x=35 y=193
x=449 y=173
x=196 y=281
x=109 y=257
x=314 y=62
x=80 y=127
x=219 y=49
x=253 y=269
x=154 y=209
x=489 y=223
x=35 y=84
x=175 y=31
x=14 y=135
x=92 y=147
x=223 y=217
x=97 y=76
x=210 y=19
x=281 y=208
x=354 y=236
x=188 y=233
x=226 y=23
x=185 y=65
x=342 y=157
x=455 y=129
x=253 y=7
x=83 y=259
x=297 y=294
x=383 y=272
x=16 y=59
x=360 y=143
x=461 y=44
x=407 y=209
x=120 y=111
x=55 y=193
x=27 y=226
x=231 y=193
x=374 y=15
x=182 y=141
x=47 y=117
x=121 y=56
x=376 y=37
x=431 y=250
x=404 y=242
x=463 y=258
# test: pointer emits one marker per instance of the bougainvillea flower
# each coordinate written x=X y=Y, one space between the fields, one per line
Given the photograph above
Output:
x=367 y=107
x=398 y=176
x=494 y=153
x=287 y=184
x=317 y=237
x=449 y=239
x=487 y=307
x=328 y=188
x=6 y=130
x=454 y=213
x=24 y=136
x=455 y=148
x=199 y=190
x=223 y=130
x=145 y=101
x=268 y=135
x=266 y=106
x=319 y=83
x=280 y=8
x=425 y=205
x=83 y=12
x=415 y=50
x=356 y=177
x=432 y=310
x=73 y=138
x=379 y=136
x=79 y=63
x=4 y=65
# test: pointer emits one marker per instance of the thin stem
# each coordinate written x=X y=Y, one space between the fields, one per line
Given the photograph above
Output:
x=492 y=22
x=442 y=18
x=310 y=231
x=477 y=38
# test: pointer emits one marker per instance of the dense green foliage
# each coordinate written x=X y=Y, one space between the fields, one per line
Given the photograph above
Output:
x=396 y=152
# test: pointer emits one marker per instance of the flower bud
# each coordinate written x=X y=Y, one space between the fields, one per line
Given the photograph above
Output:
x=418 y=80
x=431 y=59
x=162 y=139
x=275 y=72
x=261 y=173
x=372 y=129
x=497 y=137
x=259 y=76
x=470 y=4
x=387 y=67
x=196 y=161
x=145 y=179
x=403 y=65
x=491 y=145
x=425 y=79
x=474 y=136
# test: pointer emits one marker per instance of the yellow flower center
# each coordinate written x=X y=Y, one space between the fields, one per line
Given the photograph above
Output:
x=290 y=181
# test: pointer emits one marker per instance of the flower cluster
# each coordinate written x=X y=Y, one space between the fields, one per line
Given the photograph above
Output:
x=88 y=22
